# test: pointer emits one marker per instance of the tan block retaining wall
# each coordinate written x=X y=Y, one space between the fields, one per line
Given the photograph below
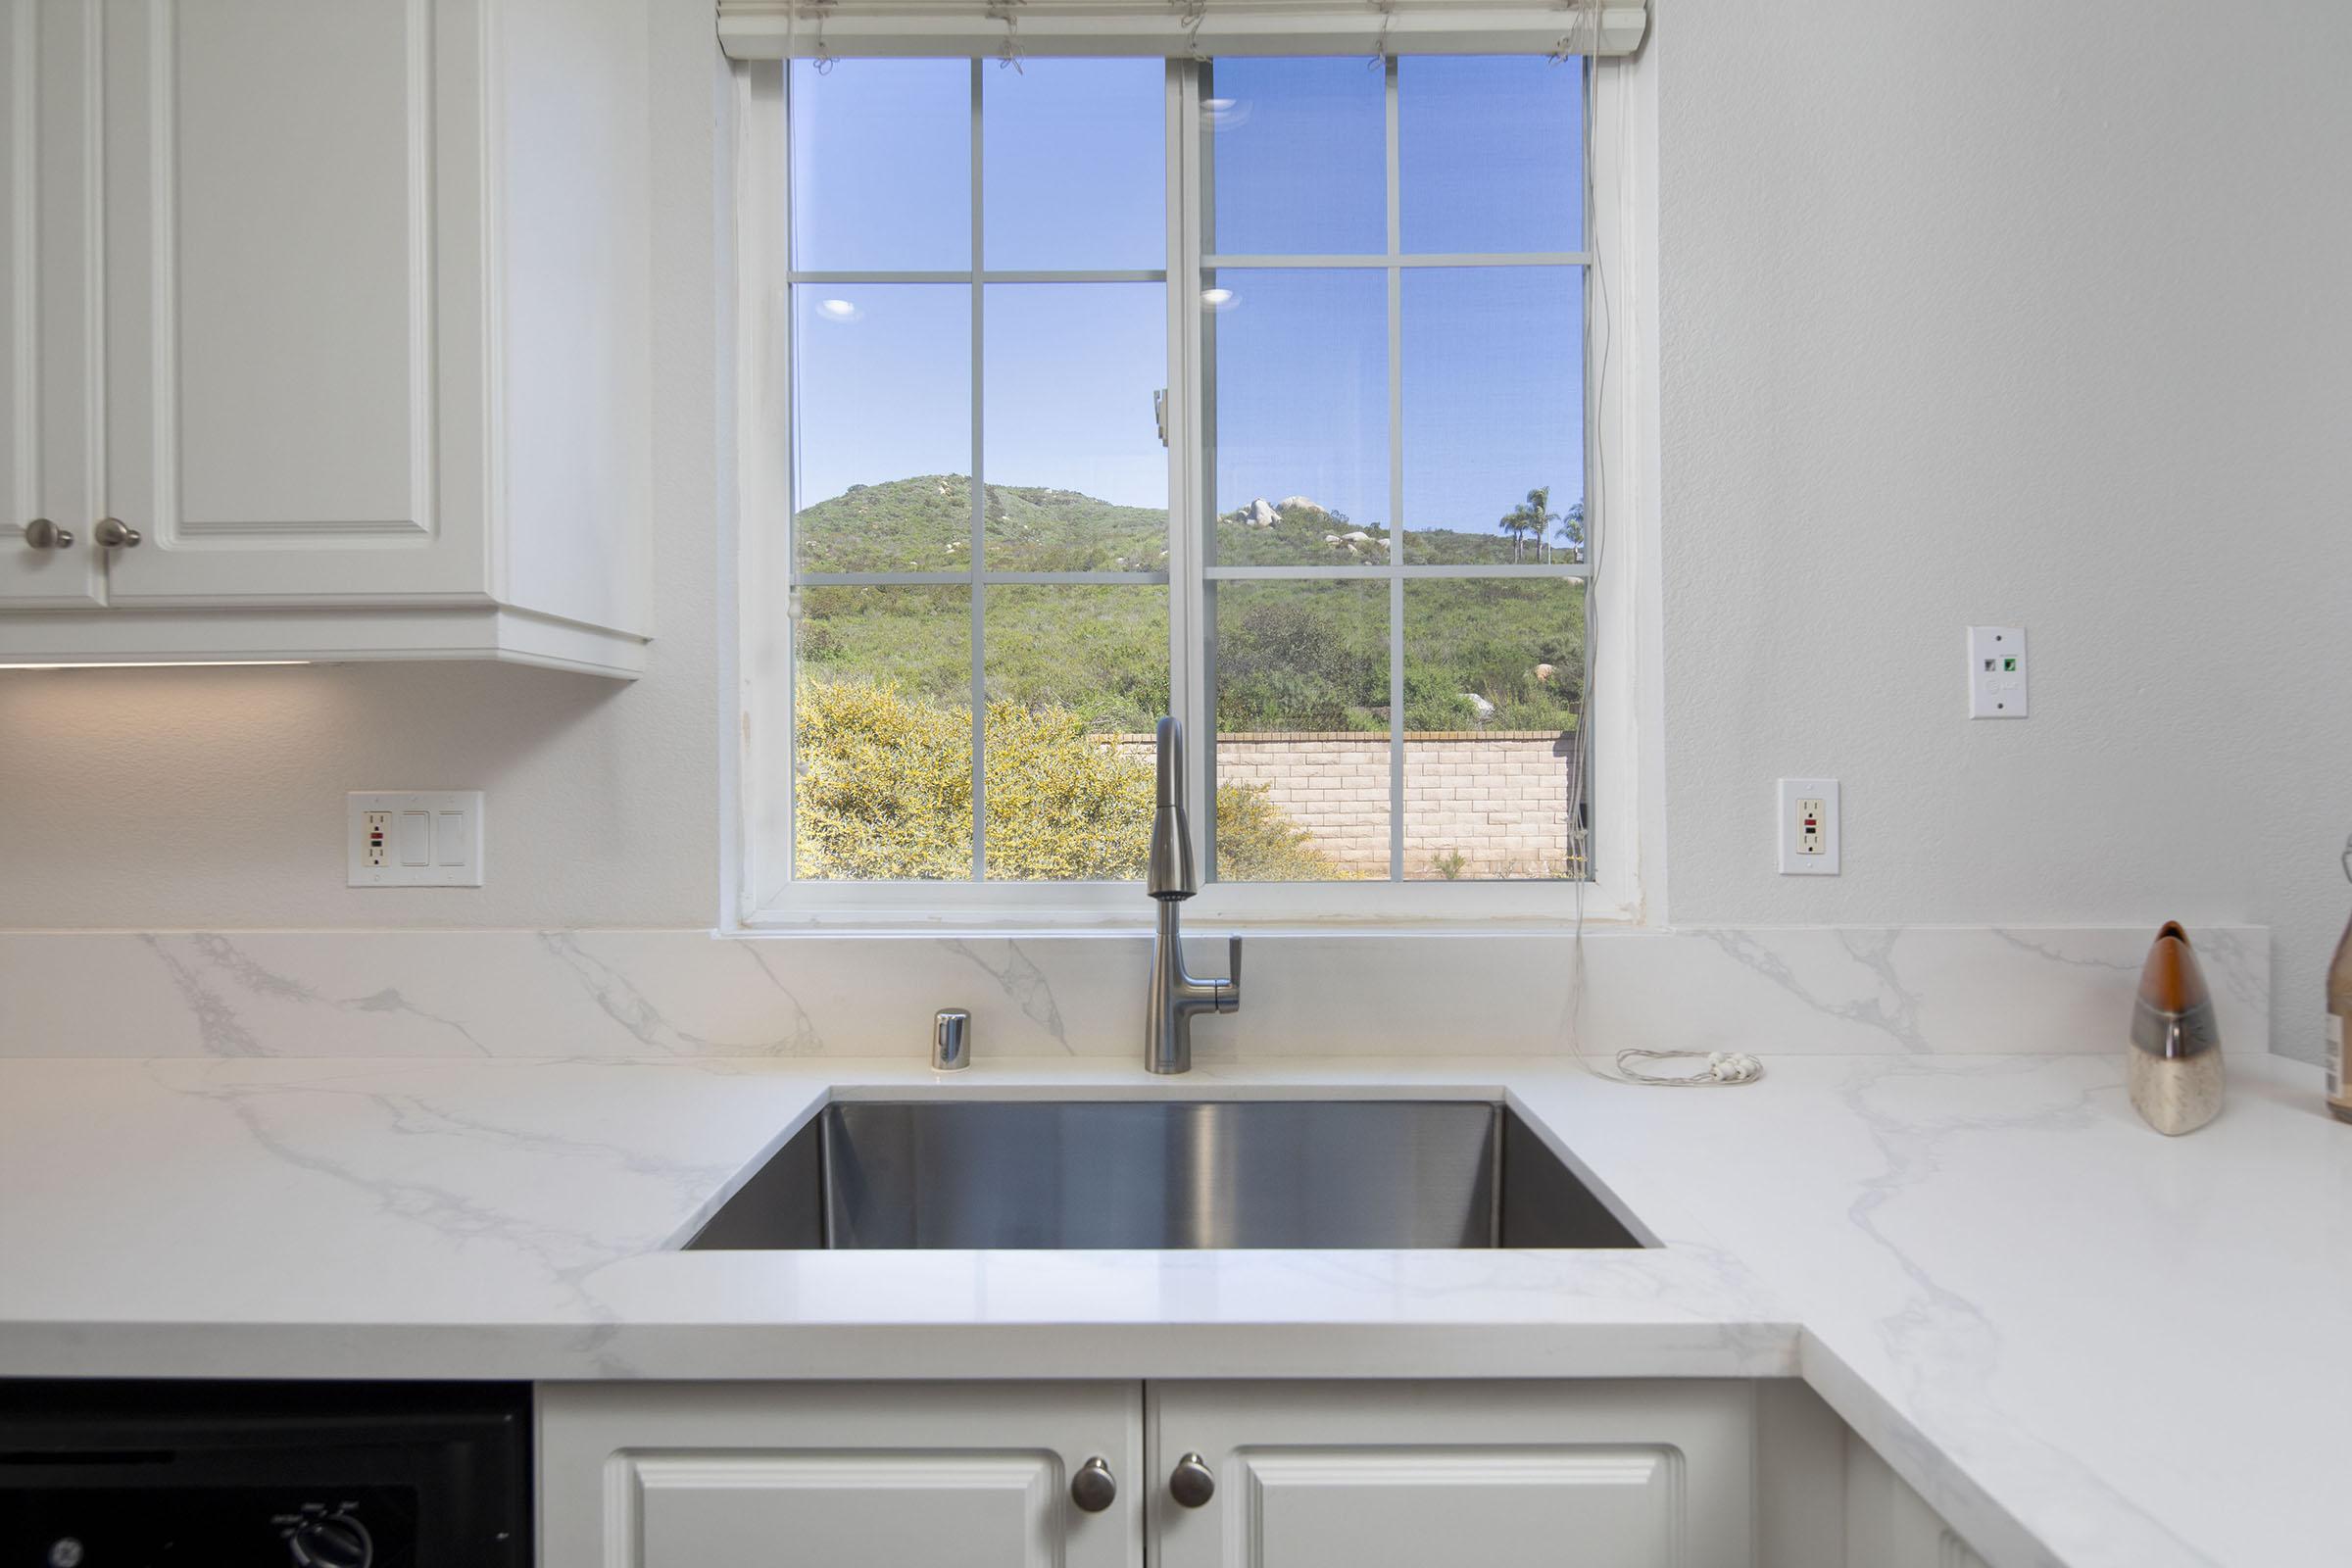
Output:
x=1498 y=799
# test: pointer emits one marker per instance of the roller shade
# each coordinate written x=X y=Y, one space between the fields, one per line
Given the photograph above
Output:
x=771 y=30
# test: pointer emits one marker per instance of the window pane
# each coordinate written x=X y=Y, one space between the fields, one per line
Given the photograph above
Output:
x=882 y=165
x=1493 y=671
x=1493 y=410
x=1298 y=420
x=1301 y=762
x=882 y=401
x=1490 y=152
x=883 y=721
x=1077 y=479
x=1077 y=676
x=1074 y=156
x=1298 y=157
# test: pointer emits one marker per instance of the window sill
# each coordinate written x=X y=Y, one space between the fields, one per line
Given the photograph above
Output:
x=1389 y=908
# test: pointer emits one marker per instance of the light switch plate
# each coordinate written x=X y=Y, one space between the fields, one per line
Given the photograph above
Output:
x=412 y=838
x=1997 y=676
x=1804 y=826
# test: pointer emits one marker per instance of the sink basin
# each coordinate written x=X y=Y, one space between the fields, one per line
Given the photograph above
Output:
x=1262 y=1173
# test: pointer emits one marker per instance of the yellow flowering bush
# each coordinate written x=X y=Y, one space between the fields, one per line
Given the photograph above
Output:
x=885 y=793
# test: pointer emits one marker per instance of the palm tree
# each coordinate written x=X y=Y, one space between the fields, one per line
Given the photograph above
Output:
x=1532 y=516
x=1572 y=531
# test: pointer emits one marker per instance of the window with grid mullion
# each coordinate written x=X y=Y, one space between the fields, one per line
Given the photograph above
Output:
x=1384 y=536
x=1394 y=562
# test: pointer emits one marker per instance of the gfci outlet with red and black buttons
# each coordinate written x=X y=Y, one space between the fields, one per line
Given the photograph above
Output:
x=414 y=837
x=1805 y=826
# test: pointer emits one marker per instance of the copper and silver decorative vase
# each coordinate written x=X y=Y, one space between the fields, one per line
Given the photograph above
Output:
x=2175 y=1054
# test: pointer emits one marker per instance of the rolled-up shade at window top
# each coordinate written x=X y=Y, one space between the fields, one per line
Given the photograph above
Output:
x=770 y=30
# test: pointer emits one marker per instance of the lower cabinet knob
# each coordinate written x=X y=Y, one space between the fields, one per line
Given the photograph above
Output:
x=1190 y=1483
x=42 y=534
x=111 y=533
x=1094 y=1488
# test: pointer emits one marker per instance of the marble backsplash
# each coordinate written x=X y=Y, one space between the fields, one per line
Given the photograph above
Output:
x=1500 y=992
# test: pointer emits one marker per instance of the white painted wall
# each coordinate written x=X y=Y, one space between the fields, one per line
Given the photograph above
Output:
x=1982 y=312
x=2003 y=312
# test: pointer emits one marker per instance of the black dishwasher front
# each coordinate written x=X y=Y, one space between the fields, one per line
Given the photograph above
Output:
x=252 y=1475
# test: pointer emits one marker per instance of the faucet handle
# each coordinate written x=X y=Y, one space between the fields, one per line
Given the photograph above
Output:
x=1228 y=988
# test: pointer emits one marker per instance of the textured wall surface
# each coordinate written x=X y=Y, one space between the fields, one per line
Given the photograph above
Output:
x=2012 y=314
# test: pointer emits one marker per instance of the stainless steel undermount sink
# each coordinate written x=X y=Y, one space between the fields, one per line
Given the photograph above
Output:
x=1259 y=1173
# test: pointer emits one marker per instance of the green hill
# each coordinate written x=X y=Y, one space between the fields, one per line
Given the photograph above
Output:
x=1290 y=656
x=924 y=524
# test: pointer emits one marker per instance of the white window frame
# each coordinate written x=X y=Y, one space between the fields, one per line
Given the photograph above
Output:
x=1625 y=752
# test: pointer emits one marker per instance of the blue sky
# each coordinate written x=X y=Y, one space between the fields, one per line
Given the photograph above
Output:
x=1490 y=155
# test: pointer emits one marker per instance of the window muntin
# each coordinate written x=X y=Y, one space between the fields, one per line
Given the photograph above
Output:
x=1061 y=597
x=981 y=500
x=1358 y=392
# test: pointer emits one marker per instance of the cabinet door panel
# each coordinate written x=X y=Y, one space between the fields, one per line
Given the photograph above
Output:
x=978 y=1510
x=837 y=1475
x=1469 y=1507
x=49 y=57
x=293 y=267
x=1480 y=1475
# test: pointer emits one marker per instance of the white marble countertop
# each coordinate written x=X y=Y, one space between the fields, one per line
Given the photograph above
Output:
x=2084 y=1344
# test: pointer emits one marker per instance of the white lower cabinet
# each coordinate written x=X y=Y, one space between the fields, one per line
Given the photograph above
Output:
x=1888 y=1525
x=1469 y=1475
x=1356 y=1475
x=838 y=1475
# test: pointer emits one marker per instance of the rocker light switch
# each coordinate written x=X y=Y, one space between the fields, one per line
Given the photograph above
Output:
x=412 y=838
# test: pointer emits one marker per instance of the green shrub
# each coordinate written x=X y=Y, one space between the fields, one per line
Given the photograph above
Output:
x=883 y=788
x=1256 y=842
x=885 y=793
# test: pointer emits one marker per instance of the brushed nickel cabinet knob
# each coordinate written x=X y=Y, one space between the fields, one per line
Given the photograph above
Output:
x=111 y=533
x=42 y=534
x=1094 y=1488
x=1190 y=1483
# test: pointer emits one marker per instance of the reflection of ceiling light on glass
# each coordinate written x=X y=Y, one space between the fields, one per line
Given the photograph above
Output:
x=838 y=311
x=1217 y=299
x=1224 y=114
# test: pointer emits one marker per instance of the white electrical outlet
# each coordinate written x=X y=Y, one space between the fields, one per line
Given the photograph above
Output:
x=414 y=837
x=1997 y=672
x=1804 y=826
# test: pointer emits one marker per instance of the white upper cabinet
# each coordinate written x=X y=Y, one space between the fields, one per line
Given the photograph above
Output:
x=341 y=318
x=293 y=205
x=49 y=308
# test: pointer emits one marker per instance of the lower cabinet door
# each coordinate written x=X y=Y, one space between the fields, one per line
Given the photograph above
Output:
x=840 y=1476
x=1464 y=1475
x=1888 y=1525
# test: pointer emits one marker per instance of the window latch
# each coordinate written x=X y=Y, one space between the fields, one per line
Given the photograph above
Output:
x=1159 y=414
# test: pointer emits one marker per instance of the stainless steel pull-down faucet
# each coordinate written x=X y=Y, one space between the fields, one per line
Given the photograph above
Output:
x=1168 y=877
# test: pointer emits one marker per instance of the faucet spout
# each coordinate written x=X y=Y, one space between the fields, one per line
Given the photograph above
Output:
x=1168 y=867
x=1175 y=993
